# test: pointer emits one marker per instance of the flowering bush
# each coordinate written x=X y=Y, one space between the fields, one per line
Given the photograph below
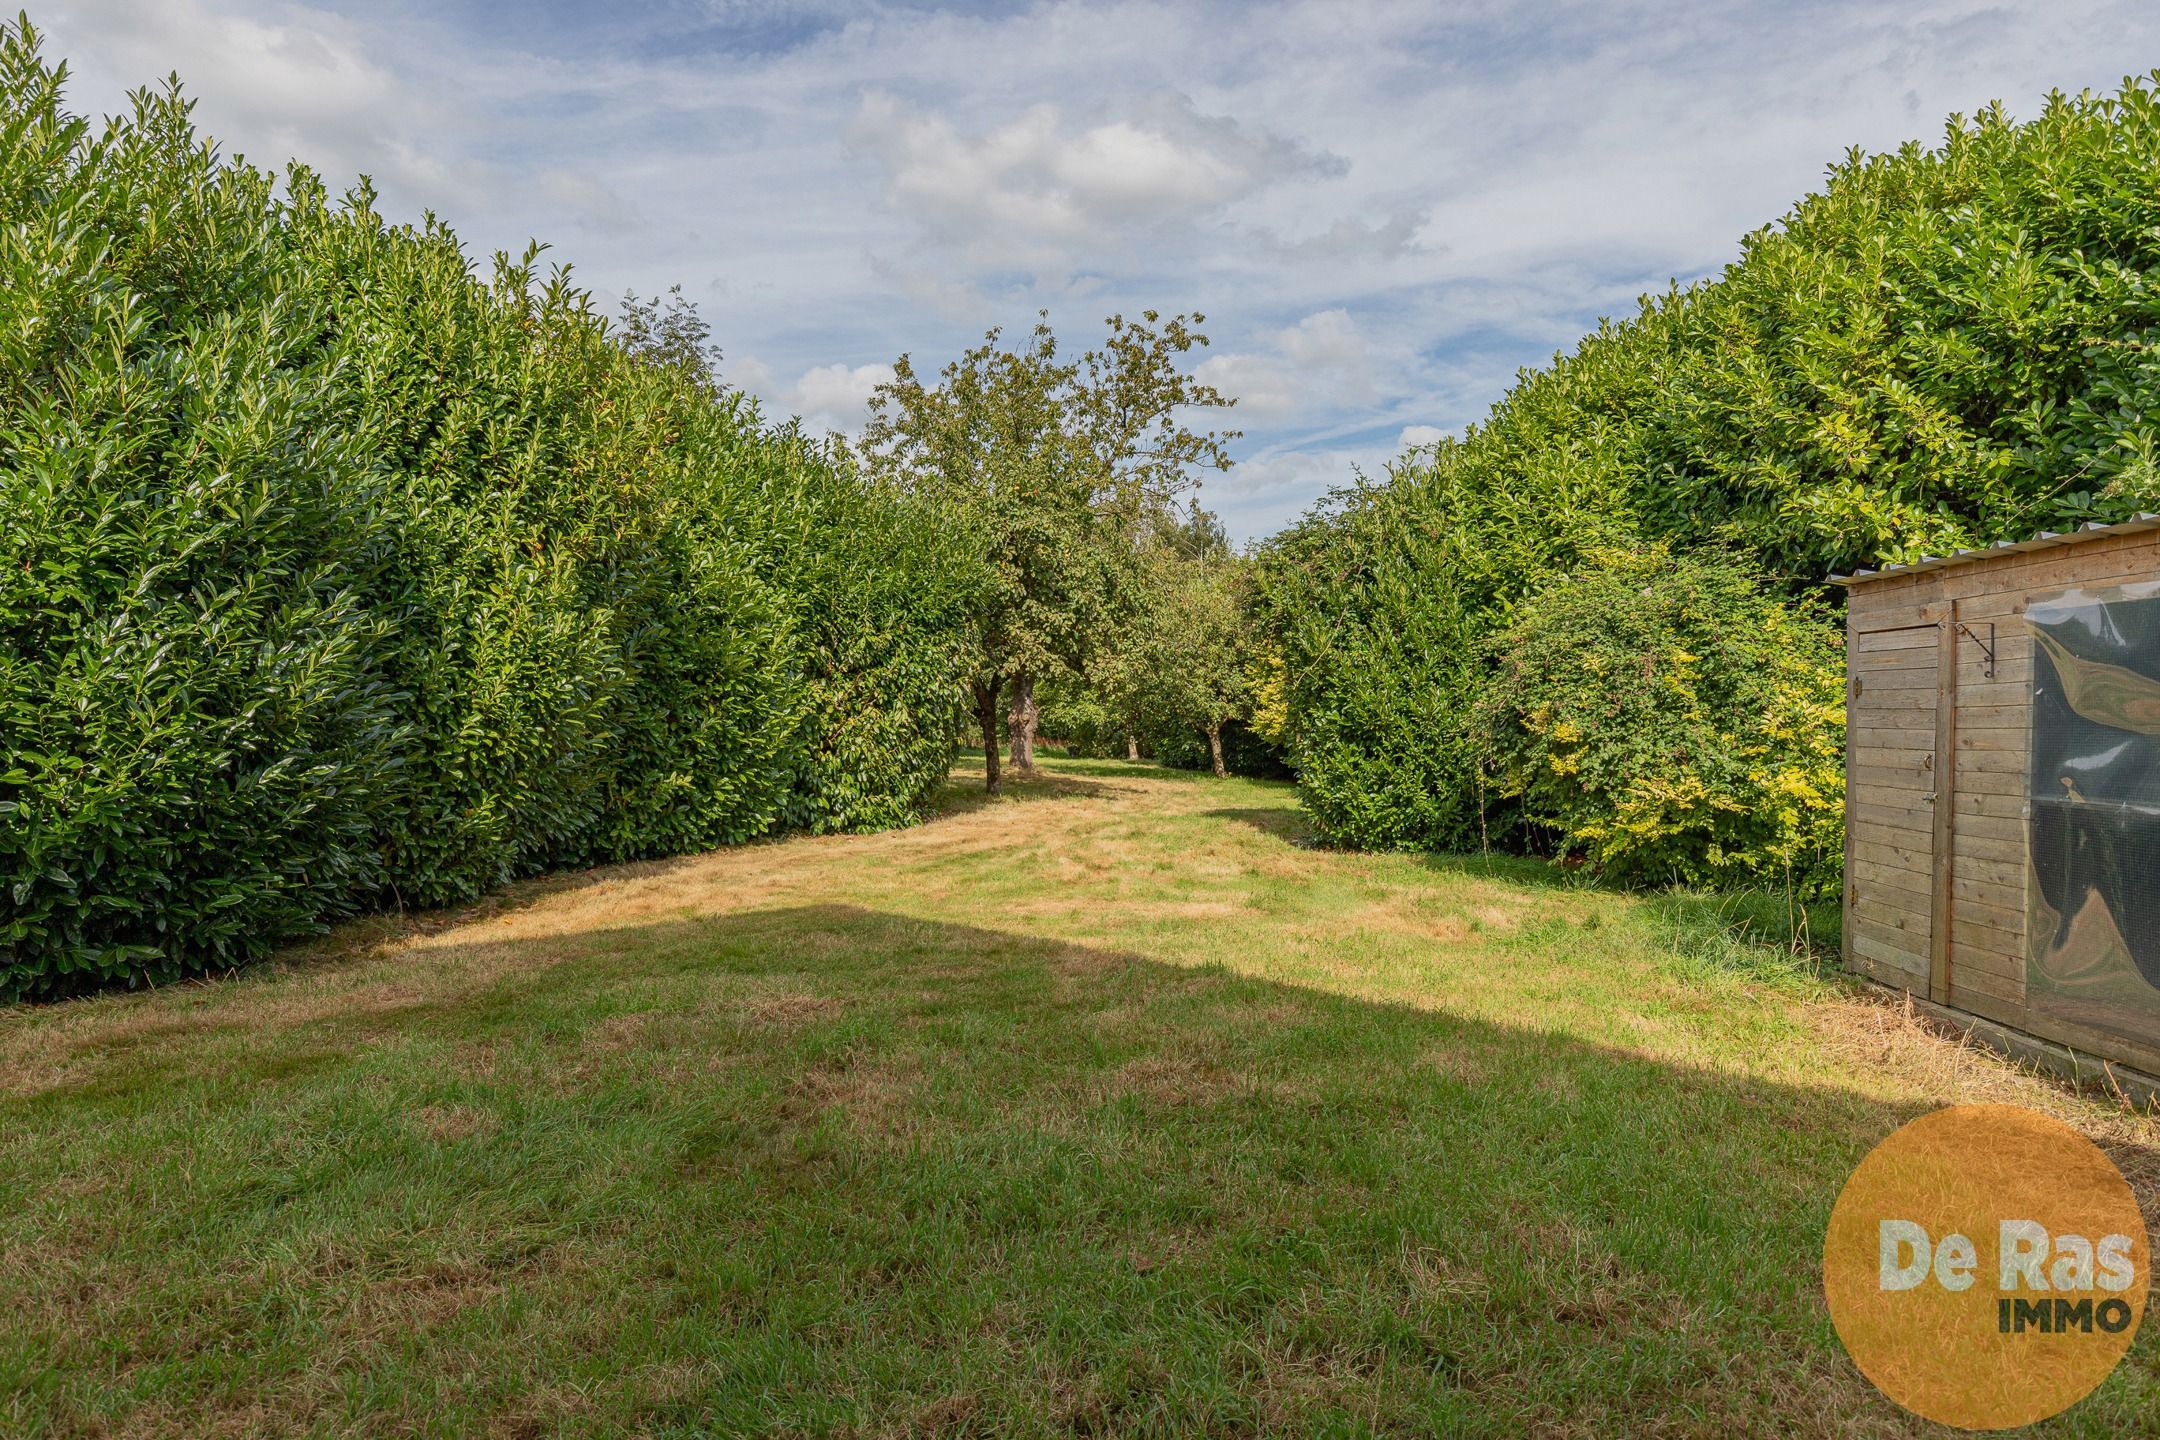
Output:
x=1669 y=721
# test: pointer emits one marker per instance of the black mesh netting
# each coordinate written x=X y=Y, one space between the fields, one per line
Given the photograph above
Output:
x=2094 y=923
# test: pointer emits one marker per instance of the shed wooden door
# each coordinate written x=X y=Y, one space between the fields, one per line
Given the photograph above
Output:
x=1890 y=818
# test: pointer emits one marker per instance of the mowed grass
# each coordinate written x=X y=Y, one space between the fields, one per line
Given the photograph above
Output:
x=1106 y=1107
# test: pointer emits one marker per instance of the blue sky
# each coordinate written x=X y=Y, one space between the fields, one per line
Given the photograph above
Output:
x=1384 y=209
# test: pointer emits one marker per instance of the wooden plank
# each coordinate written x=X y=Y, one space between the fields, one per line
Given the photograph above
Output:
x=1991 y=906
x=2036 y=1021
x=1895 y=678
x=1875 y=700
x=1971 y=869
x=1981 y=847
x=1895 y=849
x=1878 y=608
x=1974 y=983
x=1883 y=974
x=1890 y=723
x=1897 y=923
x=1986 y=824
x=1979 y=691
x=1996 y=605
x=1975 y=959
x=2086 y=571
x=1913 y=649
x=1886 y=953
x=1904 y=808
x=1907 y=637
x=1992 y=950
x=1983 y=899
x=2004 y=783
x=1905 y=931
x=2005 y=805
x=2003 y=689
x=1870 y=741
x=1986 y=935
x=1901 y=827
x=1983 y=727
x=1910 y=889
x=1901 y=771
x=1876 y=851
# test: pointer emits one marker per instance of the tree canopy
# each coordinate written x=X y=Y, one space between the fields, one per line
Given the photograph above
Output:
x=1054 y=472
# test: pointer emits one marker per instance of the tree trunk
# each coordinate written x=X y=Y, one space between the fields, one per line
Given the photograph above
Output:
x=986 y=701
x=1214 y=745
x=1021 y=720
x=1132 y=746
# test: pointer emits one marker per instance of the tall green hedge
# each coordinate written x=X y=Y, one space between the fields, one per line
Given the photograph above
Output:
x=336 y=575
x=1942 y=347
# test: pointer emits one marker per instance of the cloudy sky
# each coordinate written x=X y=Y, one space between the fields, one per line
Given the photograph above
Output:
x=1383 y=209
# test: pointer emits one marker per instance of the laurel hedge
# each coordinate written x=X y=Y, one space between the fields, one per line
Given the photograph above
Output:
x=1942 y=347
x=337 y=575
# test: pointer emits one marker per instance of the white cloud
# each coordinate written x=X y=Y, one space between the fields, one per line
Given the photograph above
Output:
x=1352 y=238
x=271 y=82
x=1271 y=489
x=1322 y=360
x=836 y=397
x=1417 y=437
x=1330 y=345
x=590 y=200
x=747 y=372
x=1029 y=189
x=1262 y=386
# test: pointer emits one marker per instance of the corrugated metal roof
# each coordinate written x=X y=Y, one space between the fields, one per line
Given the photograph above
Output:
x=2042 y=541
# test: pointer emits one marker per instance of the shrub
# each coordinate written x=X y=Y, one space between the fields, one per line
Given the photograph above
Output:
x=194 y=731
x=1671 y=722
x=1380 y=607
x=337 y=575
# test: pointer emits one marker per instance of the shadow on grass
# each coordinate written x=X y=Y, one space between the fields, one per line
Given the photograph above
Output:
x=1112 y=769
x=835 y=1163
x=1287 y=823
x=963 y=791
x=1736 y=929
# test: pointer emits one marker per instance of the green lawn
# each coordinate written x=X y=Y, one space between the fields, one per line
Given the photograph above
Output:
x=1107 y=1107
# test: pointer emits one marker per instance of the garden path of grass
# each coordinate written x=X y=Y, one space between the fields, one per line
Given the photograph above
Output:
x=1104 y=1107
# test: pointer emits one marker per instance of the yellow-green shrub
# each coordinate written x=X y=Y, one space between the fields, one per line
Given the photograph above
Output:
x=1666 y=720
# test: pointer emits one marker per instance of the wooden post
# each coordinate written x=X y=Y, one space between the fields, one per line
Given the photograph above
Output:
x=1854 y=682
x=1945 y=846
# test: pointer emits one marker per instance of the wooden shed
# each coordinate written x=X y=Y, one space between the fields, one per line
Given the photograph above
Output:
x=2002 y=801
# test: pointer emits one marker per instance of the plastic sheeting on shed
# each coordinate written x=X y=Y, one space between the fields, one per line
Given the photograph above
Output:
x=2094 y=926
